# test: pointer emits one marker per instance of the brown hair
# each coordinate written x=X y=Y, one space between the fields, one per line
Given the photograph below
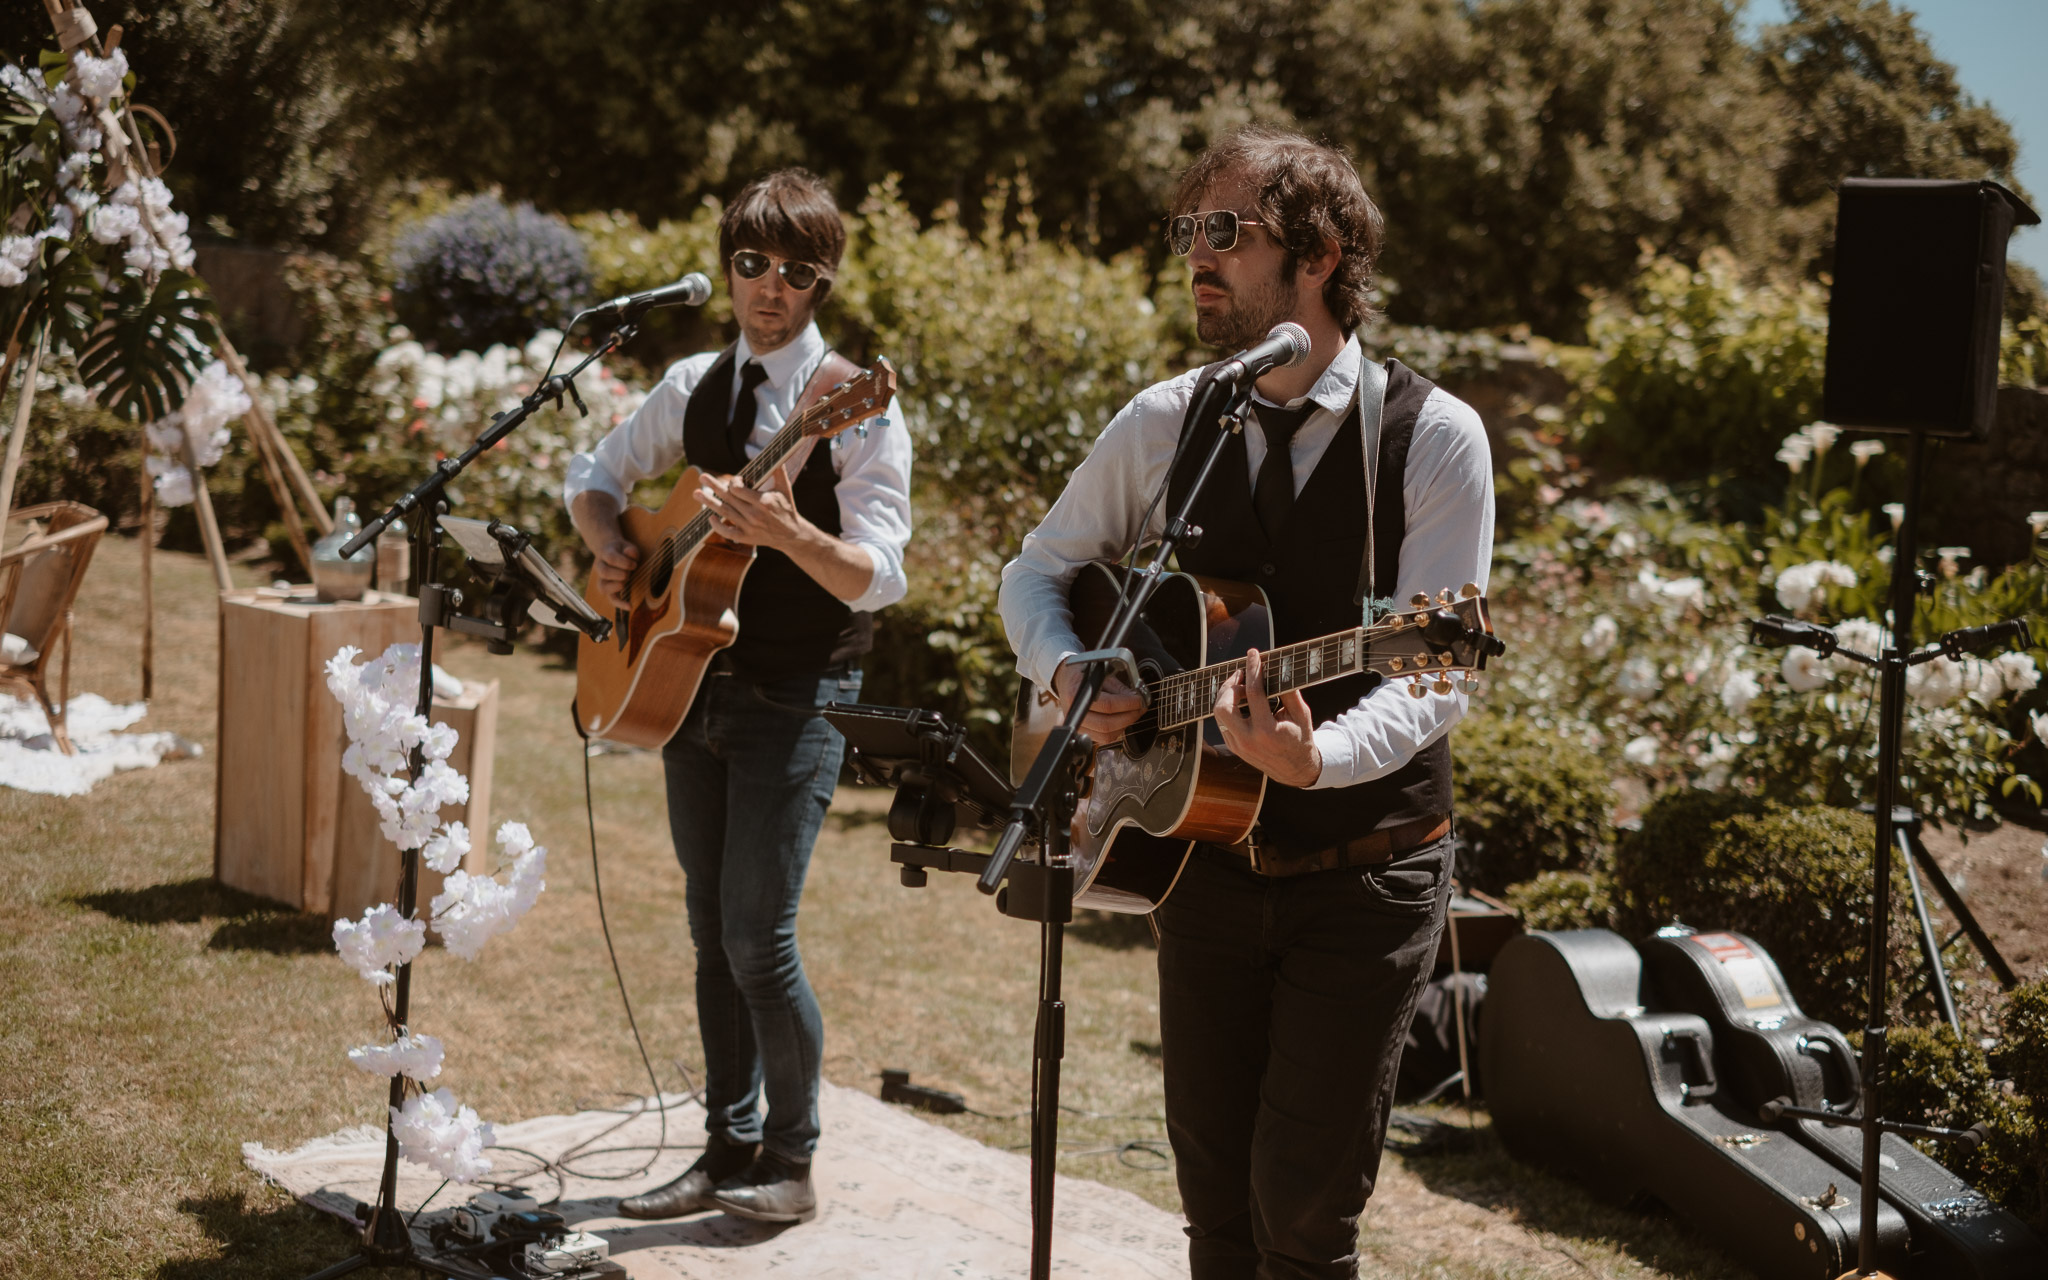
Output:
x=789 y=213
x=1304 y=192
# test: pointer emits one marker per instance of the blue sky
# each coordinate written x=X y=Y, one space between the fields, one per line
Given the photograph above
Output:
x=1997 y=47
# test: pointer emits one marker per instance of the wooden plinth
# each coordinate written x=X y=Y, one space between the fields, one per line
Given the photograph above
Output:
x=289 y=824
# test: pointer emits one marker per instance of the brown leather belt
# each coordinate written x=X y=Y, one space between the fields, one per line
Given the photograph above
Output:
x=1370 y=850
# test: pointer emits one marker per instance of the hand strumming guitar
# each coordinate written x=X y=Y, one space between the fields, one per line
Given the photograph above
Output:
x=1114 y=708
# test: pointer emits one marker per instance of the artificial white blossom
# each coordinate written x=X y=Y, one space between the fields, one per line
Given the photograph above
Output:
x=1641 y=752
x=1935 y=683
x=434 y=1130
x=381 y=939
x=445 y=852
x=1804 y=670
x=416 y=1057
x=377 y=700
x=1600 y=637
x=2039 y=722
x=99 y=77
x=213 y=399
x=1738 y=691
x=470 y=910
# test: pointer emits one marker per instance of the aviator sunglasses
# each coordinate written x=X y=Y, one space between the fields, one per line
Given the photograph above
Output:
x=750 y=264
x=1219 y=228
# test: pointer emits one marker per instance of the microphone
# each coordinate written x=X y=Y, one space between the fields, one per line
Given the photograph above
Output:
x=693 y=290
x=1288 y=344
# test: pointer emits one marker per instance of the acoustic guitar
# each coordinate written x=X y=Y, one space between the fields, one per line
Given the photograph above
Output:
x=636 y=686
x=1171 y=782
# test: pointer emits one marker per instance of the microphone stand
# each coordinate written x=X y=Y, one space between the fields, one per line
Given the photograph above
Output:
x=1047 y=799
x=387 y=1237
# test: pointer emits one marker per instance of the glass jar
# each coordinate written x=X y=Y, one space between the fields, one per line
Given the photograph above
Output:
x=338 y=577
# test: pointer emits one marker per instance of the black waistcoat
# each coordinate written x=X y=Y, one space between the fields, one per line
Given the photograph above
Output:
x=1310 y=573
x=789 y=625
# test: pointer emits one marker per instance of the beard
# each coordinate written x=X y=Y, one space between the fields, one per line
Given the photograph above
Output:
x=1245 y=316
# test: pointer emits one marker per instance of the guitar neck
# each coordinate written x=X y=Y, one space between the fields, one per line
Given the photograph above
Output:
x=753 y=475
x=1188 y=696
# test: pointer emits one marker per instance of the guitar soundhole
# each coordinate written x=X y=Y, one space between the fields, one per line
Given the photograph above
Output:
x=1139 y=738
x=657 y=586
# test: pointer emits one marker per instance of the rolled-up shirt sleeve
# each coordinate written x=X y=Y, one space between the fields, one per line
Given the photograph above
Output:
x=1448 y=493
x=874 y=505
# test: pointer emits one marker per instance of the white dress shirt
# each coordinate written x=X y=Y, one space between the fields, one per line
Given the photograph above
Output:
x=1448 y=493
x=874 y=472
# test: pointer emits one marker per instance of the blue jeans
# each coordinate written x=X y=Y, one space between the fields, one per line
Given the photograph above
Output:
x=750 y=774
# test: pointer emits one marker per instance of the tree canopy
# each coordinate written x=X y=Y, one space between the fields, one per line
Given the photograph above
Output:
x=1526 y=151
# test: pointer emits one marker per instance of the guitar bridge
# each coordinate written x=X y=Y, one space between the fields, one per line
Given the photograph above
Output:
x=619 y=627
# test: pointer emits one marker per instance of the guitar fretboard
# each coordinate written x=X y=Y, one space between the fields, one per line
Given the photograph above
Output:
x=1188 y=696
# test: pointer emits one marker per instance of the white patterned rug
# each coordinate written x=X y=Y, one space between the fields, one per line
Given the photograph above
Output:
x=898 y=1197
x=30 y=760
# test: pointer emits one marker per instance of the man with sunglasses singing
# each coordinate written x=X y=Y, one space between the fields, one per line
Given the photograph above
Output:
x=753 y=766
x=1289 y=966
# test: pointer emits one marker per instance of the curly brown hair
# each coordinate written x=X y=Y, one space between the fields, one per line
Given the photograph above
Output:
x=789 y=213
x=1304 y=192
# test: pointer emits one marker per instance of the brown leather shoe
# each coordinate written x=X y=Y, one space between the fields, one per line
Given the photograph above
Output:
x=691 y=1192
x=771 y=1189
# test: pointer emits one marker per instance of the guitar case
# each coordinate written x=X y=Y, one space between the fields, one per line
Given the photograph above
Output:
x=1770 y=1049
x=1587 y=1075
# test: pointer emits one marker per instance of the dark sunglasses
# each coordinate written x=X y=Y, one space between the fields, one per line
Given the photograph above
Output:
x=750 y=264
x=1219 y=228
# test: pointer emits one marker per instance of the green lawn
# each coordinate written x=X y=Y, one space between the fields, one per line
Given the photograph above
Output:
x=151 y=1022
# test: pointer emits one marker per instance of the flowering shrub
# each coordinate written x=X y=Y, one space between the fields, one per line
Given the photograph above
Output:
x=383 y=730
x=435 y=404
x=1628 y=620
x=482 y=273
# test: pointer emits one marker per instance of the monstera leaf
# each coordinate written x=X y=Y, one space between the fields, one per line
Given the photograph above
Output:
x=64 y=294
x=150 y=345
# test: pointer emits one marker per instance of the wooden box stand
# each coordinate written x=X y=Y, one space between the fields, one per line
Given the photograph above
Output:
x=289 y=824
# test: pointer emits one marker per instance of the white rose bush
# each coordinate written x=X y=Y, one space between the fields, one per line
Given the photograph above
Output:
x=378 y=699
x=1629 y=620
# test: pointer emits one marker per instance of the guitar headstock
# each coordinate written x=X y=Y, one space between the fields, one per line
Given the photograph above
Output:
x=861 y=397
x=1426 y=644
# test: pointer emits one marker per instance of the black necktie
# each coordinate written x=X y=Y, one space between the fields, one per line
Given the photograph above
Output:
x=1273 y=495
x=741 y=425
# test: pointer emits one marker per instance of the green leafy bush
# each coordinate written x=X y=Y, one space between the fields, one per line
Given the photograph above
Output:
x=1933 y=1078
x=1558 y=900
x=1529 y=800
x=1798 y=880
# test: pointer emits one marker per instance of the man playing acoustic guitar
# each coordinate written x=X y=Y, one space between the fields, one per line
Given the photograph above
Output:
x=753 y=766
x=1289 y=966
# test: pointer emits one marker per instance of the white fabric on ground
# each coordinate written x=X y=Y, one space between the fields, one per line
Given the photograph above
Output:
x=897 y=1197
x=30 y=760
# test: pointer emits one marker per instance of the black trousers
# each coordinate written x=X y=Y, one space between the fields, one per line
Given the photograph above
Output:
x=1283 y=1003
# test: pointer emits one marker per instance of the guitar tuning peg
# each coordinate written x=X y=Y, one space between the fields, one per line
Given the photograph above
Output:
x=862 y=430
x=1471 y=684
x=1444 y=596
x=1468 y=591
x=1415 y=689
x=1420 y=599
x=1442 y=685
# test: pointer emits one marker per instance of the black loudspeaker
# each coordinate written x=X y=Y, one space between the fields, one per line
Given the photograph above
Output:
x=1919 y=289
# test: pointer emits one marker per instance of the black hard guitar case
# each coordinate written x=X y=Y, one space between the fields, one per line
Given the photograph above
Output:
x=1583 y=1075
x=1770 y=1049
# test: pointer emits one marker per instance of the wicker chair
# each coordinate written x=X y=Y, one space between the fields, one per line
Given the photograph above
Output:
x=46 y=553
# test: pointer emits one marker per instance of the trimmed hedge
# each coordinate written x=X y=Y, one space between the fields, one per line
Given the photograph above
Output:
x=1528 y=800
x=1795 y=879
x=483 y=273
x=1559 y=900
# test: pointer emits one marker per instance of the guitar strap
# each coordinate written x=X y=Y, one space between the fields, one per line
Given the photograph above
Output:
x=832 y=370
x=1369 y=400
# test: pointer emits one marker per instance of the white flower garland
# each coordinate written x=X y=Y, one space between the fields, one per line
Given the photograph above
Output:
x=377 y=699
x=215 y=398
